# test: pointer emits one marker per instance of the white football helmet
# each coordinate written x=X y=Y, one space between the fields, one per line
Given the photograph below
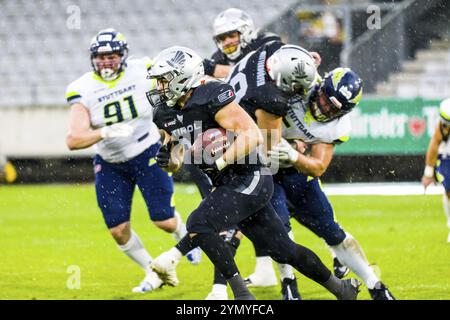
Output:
x=180 y=68
x=292 y=68
x=234 y=20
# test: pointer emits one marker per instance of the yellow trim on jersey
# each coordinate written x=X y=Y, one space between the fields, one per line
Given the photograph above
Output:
x=112 y=83
x=151 y=162
x=308 y=118
x=172 y=200
x=72 y=94
x=344 y=138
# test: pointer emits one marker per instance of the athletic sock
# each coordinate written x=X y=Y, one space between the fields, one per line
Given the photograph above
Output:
x=180 y=230
x=239 y=288
x=185 y=245
x=446 y=204
x=350 y=253
x=135 y=250
x=286 y=271
x=232 y=245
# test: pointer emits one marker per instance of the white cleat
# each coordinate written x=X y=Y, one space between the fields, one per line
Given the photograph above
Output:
x=194 y=256
x=165 y=266
x=218 y=292
x=151 y=282
x=215 y=295
x=262 y=279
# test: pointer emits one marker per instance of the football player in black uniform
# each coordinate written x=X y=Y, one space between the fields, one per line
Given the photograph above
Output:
x=188 y=104
x=267 y=83
x=235 y=36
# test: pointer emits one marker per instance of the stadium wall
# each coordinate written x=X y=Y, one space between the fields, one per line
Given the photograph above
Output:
x=388 y=143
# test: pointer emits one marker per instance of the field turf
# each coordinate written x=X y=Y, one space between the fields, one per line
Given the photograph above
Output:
x=47 y=230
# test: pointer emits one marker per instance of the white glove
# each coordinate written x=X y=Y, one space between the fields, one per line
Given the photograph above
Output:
x=283 y=152
x=118 y=130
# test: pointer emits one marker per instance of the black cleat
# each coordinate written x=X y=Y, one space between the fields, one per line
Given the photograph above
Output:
x=380 y=292
x=349 y=290
x=289 y=290
x=339 y=269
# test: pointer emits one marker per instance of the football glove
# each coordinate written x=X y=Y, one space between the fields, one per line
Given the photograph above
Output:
x=163 y=156
x=283 y=152
x=118 y=130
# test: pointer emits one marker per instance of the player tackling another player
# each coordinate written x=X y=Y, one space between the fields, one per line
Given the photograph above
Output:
x=188 y=104
x=437 y=162
x=109 y=111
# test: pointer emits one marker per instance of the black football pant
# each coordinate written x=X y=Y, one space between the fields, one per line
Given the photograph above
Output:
x=245 y=201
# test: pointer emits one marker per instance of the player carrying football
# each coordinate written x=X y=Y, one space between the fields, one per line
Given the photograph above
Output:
x=187 y=105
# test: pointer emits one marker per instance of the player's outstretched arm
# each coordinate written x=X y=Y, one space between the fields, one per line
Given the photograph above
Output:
x=315 y=164
x=232 y=117
x=270 y=125
x=431 y=157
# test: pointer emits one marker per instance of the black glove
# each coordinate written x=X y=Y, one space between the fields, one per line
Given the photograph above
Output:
x=209 y=66
x=163 y=156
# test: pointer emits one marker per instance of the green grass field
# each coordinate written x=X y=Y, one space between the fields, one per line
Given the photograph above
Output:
x=47 y=229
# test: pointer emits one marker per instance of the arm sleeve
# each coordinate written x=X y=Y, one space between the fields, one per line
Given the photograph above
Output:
x=271 y=100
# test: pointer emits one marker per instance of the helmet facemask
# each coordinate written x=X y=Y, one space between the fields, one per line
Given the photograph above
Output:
x=232 y=50
x=108 y=42
x=234 y=20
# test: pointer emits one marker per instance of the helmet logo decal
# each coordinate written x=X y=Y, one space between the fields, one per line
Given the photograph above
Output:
x=299 y=70
x=177 y=61
x=345 y=92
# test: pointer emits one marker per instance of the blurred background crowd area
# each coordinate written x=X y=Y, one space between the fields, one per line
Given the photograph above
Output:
x=401 y=50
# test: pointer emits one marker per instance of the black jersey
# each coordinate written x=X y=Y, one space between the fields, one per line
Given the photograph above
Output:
x=198 y=115
x=220 y=58
x=253 y=87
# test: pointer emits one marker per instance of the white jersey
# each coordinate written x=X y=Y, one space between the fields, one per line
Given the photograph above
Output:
x=299 y=124
x=444 y=146
x=120 y=100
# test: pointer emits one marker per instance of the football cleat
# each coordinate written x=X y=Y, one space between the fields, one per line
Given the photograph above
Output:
x=289 y=289
x=381 y=292
x=194 y=256
x=165 y=267
x=340 y=271
x=349 y=290
x=262 y=279
x=218 y=292
x=151 y=282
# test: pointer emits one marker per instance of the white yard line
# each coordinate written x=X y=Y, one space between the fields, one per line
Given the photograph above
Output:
x=375 y=188
x=371 y=188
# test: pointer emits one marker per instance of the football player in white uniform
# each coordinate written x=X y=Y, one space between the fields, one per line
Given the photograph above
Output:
x=109 y=110
x=320 y=120
x=438 y=157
